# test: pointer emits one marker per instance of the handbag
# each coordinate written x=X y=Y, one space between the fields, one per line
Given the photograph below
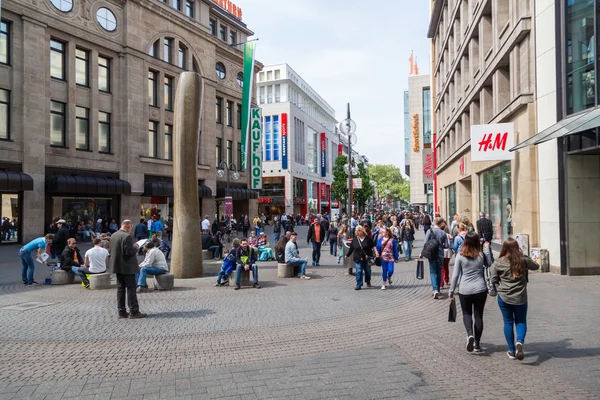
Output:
x=420 y=269
x=452 y=311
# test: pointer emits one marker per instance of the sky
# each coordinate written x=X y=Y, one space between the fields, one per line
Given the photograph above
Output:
x=349 y=51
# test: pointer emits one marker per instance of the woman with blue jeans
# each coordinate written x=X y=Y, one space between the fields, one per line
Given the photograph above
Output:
x=407 y=235
x=27 y=263
x=436 y=263
x=510 y=274
x=361 y=249
x=388 y=248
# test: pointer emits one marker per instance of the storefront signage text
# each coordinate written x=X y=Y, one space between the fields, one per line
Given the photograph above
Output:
x=265 y=200
x=491 y=142
x=340 y=149
x=300 y=200
x=230 y=7
x=415 y=133
x=323 y=154
x=255 y=157
x=284 y=141
x=427 y=166
x=461 y=168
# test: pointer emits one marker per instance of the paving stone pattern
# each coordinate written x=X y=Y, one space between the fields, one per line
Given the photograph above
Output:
x=292 y=339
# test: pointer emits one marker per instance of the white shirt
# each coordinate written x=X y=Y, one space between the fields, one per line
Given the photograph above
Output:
x=155 y=258
x=205 y=224
x=97 y=258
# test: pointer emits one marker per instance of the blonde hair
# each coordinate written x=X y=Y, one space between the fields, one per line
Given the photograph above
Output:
x=361 y=230
x=71 y=241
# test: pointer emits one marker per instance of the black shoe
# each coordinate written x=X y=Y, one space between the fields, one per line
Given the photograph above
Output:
x=357 y=288
x=256 y=286
x=237 y=287
x=123 y=315
x=368 y=284
x=137 y=315
x=470 y=343
x=477 y=348
x=390 y=281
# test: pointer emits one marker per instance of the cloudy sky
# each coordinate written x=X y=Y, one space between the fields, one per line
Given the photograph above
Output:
x=349 y=51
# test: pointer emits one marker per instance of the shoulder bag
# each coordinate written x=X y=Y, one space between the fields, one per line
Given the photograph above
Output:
x=378 y=258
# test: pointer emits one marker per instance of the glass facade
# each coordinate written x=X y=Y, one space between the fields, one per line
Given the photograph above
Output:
x=451 y=201
x=426 y=115
x=495 y=199
x=267 y=130
x=276 y=138
x=76 y=209
x=272 y=197
x=10 y=210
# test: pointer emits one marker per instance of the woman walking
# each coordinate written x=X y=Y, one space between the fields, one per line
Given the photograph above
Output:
x=388 y=248
x=426 y=223
x=341 y=238
x=362 y=248
x=510 y=273
x=332 y=235
x=468 y=274
x=407 y=235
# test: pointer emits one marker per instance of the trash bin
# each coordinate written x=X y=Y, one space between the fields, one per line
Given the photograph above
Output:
x=542 y=257
x=348 y=263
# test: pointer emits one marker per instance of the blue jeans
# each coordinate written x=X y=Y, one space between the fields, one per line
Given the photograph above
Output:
x=513 y=315
x=276 y=236
x=240 y=268
x=141 y=277
x=216 y=251
x=387 y=270
x=223 y=276
x=316 y=254
x=360 y=267
x=27 y=266
x=257 y=231
x=82 y=272
x=333 y=247
x=435 y=272
x=301 y=262
x=408 y=249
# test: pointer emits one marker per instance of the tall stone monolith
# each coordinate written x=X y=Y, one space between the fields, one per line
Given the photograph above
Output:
x=186 y=253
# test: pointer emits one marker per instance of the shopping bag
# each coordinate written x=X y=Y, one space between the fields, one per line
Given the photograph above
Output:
x=452 y=311
x=420 y=269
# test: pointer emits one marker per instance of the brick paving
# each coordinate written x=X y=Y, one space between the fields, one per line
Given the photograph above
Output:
x=292 y=339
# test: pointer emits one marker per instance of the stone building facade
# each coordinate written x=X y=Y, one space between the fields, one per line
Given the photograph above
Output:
x=86 y=106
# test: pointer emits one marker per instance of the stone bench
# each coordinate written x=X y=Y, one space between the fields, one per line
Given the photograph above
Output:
x=60 y=277
x=245 y=278
x=287 y=271
x=99 y=281
x=163 y=281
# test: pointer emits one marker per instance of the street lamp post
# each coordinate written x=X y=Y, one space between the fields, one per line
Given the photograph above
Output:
x=225 y=169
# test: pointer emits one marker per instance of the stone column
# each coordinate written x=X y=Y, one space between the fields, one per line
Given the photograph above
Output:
x=186 y=261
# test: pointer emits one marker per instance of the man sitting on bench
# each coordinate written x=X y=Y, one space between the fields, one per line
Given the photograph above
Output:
x=154 y=263
x=291 y=256
x=96 y=259
x=246 y=260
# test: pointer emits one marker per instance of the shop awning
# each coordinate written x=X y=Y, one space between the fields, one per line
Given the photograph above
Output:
x=568 y=126
x=15 y=181
x=87 y=185
x=238 y=193
x=165 y=189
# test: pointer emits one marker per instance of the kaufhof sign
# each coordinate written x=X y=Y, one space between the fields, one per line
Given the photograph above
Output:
x=255 y=156
x=491 y=142
x=230 y=7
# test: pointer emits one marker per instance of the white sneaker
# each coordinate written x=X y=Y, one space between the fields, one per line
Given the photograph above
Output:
x=436 y=295
x=305 y=277
x=382 y=287
x=519 y=353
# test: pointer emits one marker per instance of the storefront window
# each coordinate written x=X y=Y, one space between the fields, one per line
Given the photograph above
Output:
x=451 y=199
x=495 y=199
x=76 y=209
x=272 y=197
x=162 y=207
x=10 y=218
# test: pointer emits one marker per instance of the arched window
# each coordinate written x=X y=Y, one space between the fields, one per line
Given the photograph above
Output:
x=220 y=69
x=240 y=79
x=106 y=19
x=63 y=5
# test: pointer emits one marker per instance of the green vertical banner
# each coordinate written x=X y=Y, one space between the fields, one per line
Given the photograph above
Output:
x=247 y=99
x=256 y=149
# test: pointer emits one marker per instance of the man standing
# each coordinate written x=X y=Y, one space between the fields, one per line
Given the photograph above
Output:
x=60 y=240
x=206 y=223
x=325 y=225
x=157 y=227
x=316 y=235
x=123 y=262
x=141 y=230
x=485 y=228
x=276 y=229
x=291 y=256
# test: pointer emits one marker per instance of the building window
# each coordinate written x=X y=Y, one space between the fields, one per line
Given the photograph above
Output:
x=4 y=43
x=106 y=19
x=240 y=79
x=580 y=26
x=276 y=138
x=239 y=156
x=152 y=139
x=103 y=132
x=239 y=116
x=154 y=49
x=177 y=5
x=153 y=88
x=57 y=124
x=277 y=74
x=229 y=152
x=219 y=152
x=168 y=43
x=230 y=113
x=220 y=70
x=104 y=74
x=168 y=155
x=168 y=93
x=219 y=111
x=223 y=33
x=277 y=93
x=81 y=67
x=495 y=193
x=182 y=59
x=213 y=27
x=261 y=95
x=57 y=59
x=189 y=8
x=232 y=37
x=451 y=201
x=82 y=125
x=63 y=5
x=267 y=130
x=4 y=114
x=427 y=116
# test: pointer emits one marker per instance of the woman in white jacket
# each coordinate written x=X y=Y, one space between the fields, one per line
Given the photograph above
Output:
x=154 y=263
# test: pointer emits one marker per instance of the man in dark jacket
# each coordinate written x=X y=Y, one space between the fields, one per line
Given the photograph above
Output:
x=60 y=240
x=316 y=235
x=246 y=260
x=141 y=230
x=485 y=227
x=124 y=263
x=71 y=257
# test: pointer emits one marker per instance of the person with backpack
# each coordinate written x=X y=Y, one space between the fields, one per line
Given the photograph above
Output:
x=469 y=275
x=388 y=249
x=459 y=239
x=511 y=273
x=436 y=241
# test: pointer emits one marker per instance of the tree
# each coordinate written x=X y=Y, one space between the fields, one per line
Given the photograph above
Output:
x=339 y=187
x=362 y=196
x=389 y=177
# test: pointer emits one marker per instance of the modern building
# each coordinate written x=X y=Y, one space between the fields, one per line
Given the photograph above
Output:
x=300 y=144
x=417 y=106
x=567 y=142
x=484 y=73
x=86 y=106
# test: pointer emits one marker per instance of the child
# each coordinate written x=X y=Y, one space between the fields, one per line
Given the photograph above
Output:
x=228 y=264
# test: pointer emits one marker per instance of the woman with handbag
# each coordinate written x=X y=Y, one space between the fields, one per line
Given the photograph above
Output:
x=362 y=248
x=388 y=250
x=510 y=273
x=469 y=270
x=407 y=235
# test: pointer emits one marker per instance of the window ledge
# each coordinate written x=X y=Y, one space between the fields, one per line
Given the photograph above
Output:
x=109 y=153
x=59 y=147
x=85 y=150
x=79 y=85
x=106 y=92
x=6 y=139
x=154 y=160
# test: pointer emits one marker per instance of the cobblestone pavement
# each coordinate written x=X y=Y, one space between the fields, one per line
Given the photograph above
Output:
x=292 y=339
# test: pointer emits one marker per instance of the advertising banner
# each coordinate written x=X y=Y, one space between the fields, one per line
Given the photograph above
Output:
x=247 y=99
x=357 y=183
x=427 y=166
x=340 y=149
x=284 y=141
x=323 y=154
x=256 y=153
x=229 y=205
x=491 y=142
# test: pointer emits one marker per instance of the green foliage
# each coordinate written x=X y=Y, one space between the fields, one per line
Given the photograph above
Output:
x=339 y=187
x=389 y=177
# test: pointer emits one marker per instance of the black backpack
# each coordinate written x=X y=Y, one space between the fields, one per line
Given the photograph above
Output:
x=431 y=248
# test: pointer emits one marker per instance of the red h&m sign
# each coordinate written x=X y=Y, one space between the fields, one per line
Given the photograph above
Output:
x=491 y=142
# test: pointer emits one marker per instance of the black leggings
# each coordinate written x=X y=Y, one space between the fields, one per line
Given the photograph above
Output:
x=476 y=303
